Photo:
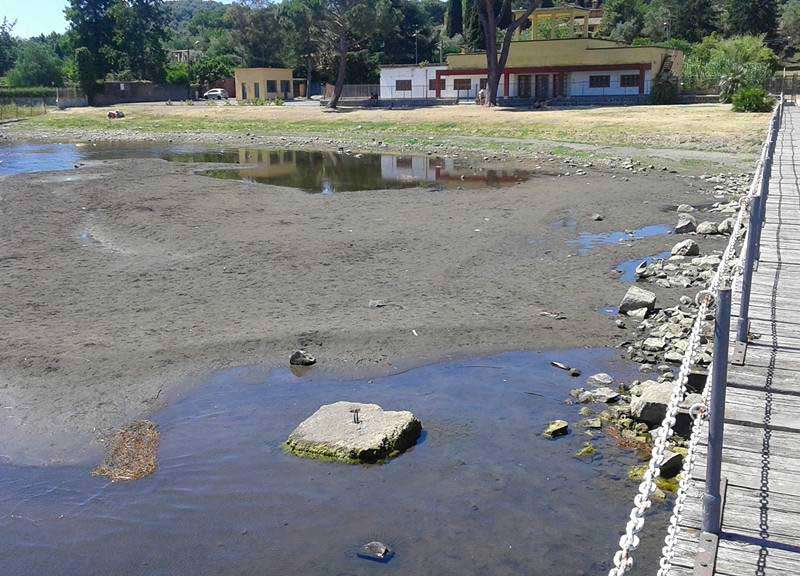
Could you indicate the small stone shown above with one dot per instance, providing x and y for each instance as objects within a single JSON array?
[
  {"x": 593, "y": 423},
  {"x": 619, "y": 323},
  {"x": 726, "y": 226},
  {"x": 686, "y": 224},
  {"x": 600, "y": 379},
  {"x": 302, "y": 358},
  {"x": 574, "y": 372},
  {"x": 375, "y": 551},
  {"x": 671, "y": 464},
  {"x": 685, "y": 208},
  {"x": 687, "y": 247},
  {"x": 654, "y": 344},
  {"x": 587, "y": 450},
  {"x": 604, "y": 394},
  {"x": 556, "y": 428},
  {"x": 597, "y": 217},
  {"x": 377, "y": 303}
]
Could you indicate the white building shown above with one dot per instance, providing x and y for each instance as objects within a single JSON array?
[{"x": 404, "y": 81}]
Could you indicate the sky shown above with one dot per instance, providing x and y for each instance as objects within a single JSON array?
[{"x": 34, "y": 17}]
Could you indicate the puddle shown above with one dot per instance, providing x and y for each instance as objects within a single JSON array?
[
  {"x": 628, "y": 267},
  {"x": 609, "y": 311},
  {"x": 329, "y": 172},
  {"x": 484, "y": 493},
  {"x": 309, "y": 170},
  {"x": 587, "y": 242}
]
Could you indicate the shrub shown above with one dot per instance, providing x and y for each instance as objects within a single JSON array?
[
  {"x": 28, "y": 92},
  {"x": 752, "y": 99},
  {"x": 278, "y": 101},
  {"x": 664, "y": 91}
]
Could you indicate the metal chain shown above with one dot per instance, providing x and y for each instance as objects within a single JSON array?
[{"x": 629, "y": 541}]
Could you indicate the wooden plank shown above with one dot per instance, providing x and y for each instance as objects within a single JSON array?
[
  {"x": 736, "y": 558},
  {"x": 743, "y": 514},
  {"x": 744, "y": 469},
  {"x": 748, "y": 439},
  {"x": 748, "y": 406}
]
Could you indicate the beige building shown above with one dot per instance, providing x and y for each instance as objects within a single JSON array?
[{"x": 264, "y": 83}]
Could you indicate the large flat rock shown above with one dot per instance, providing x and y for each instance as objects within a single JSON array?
[{"x": 333, "y": 433}]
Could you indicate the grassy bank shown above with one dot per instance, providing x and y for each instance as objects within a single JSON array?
[{"x": 696, "y": 127}]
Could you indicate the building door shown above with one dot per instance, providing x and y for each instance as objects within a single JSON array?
[
  {"x": 542, "y": 86},
  {"x": 524, "y": 85}
]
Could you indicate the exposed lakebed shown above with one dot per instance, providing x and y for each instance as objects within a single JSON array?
[{"x": 482, "y": 493}]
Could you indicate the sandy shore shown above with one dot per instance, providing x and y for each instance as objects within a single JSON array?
[{"x": 125, "y": 283}]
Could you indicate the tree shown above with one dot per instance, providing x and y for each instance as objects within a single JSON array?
[
  {"x": 790, "y": 21},
  {"x": 91, "y": 27},
  {"x": 496, "y": 15},
  {"x": 87, "y": 73},
  {"x": 300, "y": 19},
  {"x": 454, "y": 21},
  {"x": 751, "y": 17},
  {"x": 36, "y": 65},
  {"x": 7, "y": 45},
  {"x": 139, "y": 33},
  {"x": 177, "y": 73},
  {"x": 346, "y": 25},
  {"x": 473, "y": 31},
  {"x": 257, "y": 31},
  {"x": 622, "y": 19},
  {"x": 209, "y": 69}
]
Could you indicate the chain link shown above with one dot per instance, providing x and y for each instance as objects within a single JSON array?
[{"x": 729, "y": 267}]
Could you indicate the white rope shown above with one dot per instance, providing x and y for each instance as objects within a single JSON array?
[{"x": 629, "y": 541}]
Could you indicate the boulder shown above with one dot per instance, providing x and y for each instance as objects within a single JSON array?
[
  {"x": 707, "y": 228},
  {"x": 600, "y": 379},
  {"x": 726, "y": 226},
  {"x": 354, "y": 432},
  {"x": 686, "y": 223},
  {"x": 556, "y": 428},
  {"x": 651, "y": 406},
  {"x": 377, "y": 551},
  {"x": 635, "y": 299},
  {"x": 687, "y": 247}
]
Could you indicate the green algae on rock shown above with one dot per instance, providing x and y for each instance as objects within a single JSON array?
[{"x": 354, "y": 433}]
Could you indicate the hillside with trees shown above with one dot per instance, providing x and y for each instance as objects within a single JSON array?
[{"x": 732, "y": 40}]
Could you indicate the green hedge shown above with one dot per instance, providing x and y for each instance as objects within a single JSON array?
[
  {"x": 752, "y": 99},
  {"x": 27, "y": 92}
]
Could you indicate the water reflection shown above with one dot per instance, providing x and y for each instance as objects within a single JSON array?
[
  {"x": 587, "y": 242},
  {"x": 330, "y": 172}
]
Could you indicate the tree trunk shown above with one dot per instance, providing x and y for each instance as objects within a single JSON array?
[
  {"x": 496, "y": 63},
  {"x": 309, "y": 71},
  {"x": 337, "y": 91}
]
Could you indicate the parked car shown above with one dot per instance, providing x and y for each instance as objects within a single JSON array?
[{"x": 216, "y": 94}]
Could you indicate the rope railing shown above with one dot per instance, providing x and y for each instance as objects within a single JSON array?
[{"x": 749, "y": 203}]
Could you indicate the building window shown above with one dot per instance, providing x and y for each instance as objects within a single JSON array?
[
  {"x": 600, "y": 81},
  {"x": 272, "y": 86},
  {"x": 629, "y": 81},
  {"x": 244, "y": 91},
  {"x": 432, "y": 84},
  {"x": 462, "y": 84},
  {"x": 285, "y": 86},
  {"x": 483, "y": 83},
  {"x": 256, "y": 91},
  {"x": 402, "y": 85}
]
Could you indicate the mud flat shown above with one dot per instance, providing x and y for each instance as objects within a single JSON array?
[{"x": 124, "y": 280}]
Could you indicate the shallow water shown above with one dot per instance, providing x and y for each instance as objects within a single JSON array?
[
  {"x": 628, "y": 267},
  {"x": 587, "y": 242},
  {"x": 309, "y": 170},
  {"x": 483, "y": 493}
]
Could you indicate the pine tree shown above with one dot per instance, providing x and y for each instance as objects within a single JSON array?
[
  {"x": 455, "y": 16},
  {"x": 752, "y": 17},
  {"x": 474, "y": 38}
]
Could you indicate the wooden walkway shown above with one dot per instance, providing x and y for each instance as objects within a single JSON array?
[{"x": 761, "y": 453}]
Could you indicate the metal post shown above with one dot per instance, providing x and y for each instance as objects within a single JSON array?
[
  {"x": 747, "y": 272},
  {"x": 712, "y": 502}
]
